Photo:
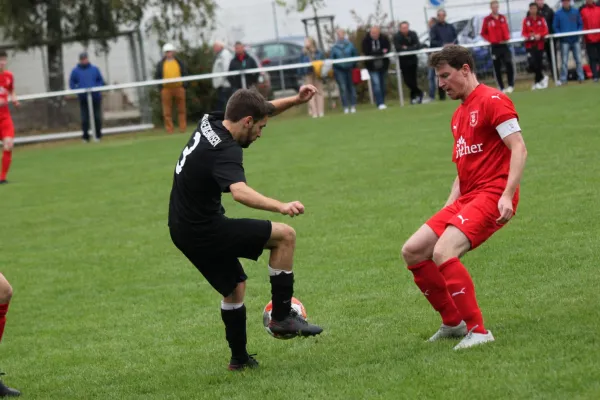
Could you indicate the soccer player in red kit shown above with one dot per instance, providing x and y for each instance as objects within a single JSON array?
[
  {"x": 490, "y": 154},
  {"x": 7, "y": 130},
  {"x": 5, "y": 296}
]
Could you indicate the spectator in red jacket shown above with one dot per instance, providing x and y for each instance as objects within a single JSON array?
[
  {"x": 535, "y": 30},
  {"x": 495, "y": 31},
  {"x": 590, "y": 14}
]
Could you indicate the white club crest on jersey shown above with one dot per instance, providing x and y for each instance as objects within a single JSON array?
[{"x": 474, "y": 118}]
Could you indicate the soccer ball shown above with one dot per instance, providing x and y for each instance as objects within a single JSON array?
[{"x": 296, "y": 306}]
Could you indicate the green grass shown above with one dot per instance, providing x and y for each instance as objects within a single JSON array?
[{"x": 105, "y": 307}]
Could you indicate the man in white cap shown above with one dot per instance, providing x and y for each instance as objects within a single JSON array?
[{"x": 172, "y": 67}]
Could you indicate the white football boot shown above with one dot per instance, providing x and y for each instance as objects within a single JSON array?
[
  {"x": 448, "y": 332},
  {"x": 474, "y": 339}
]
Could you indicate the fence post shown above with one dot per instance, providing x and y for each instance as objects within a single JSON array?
[
  {"x": 399, "y": 76},
  {"x": 244, "y": 80},
  {"x": 92, "y": 116},
  {"x": 553, "y": 61}
]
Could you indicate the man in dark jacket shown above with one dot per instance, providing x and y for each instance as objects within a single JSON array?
[
  {"x": 568, "y": 19},
  {"x": 440, "y": 35},
  {"x": 376, "y": 44},
  {"x": 407, "y": 40},
  {"x": 548, "y": 13},
  {"x": 85, "y": 76},
  {"x": 242, "y": 61}
]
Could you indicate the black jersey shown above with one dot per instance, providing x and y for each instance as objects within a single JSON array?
[{"x": 208, "y": 165}]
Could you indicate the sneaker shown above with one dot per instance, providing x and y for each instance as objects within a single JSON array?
[
  {"x": 596, "y": 80},
  {"x": 474, "y": 339},
  {"x": 382, "y": 107},
  {"x": 534, "y": 86},
  {"x": 545, "y": 82},
  {"x": 3, "y": 182},
  {"x": 509, "y": 90},
  {"x": 241, "y": 364},
  {"x": 346, "y": 111},
  {"x": 353, "y": 110},
  {"x": 294, "y": 324},
  {"x": 5, "y": 391},
  {"x": 448, "y": 332},
  {"x": 321, "y": 115}
]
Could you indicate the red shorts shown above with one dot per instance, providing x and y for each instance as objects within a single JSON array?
[
  {"x": 474, "y": 215},
  {"x": 7, "y": 129}
]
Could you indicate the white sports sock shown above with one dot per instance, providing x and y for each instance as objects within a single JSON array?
[
  {"x": 274, "y": 272},
  {"x": 230, "y": 306}
]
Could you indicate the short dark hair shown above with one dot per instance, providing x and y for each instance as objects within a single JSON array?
[
  {"x": 453, "y": 55},
  {"x": 248, "y": 103},
  {"x": 404, "y": 22},
  {"x": 3, "y": 53},
  {"x": 532, "y": 4}
]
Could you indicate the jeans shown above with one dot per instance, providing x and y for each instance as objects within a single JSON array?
[
  {"x": 378, "y": 80},
  {"x": 433, "y": 85},
  {"x": 85, "y": 117},
  {"x": 223, "y": 95},
  {"x": 564, "y": 50},
  {"x": 343, "y": 77}
]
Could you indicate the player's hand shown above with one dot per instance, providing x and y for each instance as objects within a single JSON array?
[
  {"x": 505, "y": 206},
  {"x": 292, "y": 209},
  {"x": 537, "y": 37},
  {"x": 306, "y": 93},
  {"x": 16, "y": 103}
]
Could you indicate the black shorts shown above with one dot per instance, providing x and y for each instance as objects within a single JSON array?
[
  {"x": 215, "y": 250},
  {"x": 502, "y": 53}
]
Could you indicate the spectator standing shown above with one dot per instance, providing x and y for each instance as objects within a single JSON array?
[
  {"x": 495, "y": 30},
  {"x": 242, "y": 61},
  {"x": 312, "y": 76},
  {"x": 221, "y": 84},
  {"x": 590, "y": 15},
  {"x": 84, "y": 76},
  {"x": 170, "y": 67},
  {"x": 430, "y": 70},
  {"x": 534, "y": 31},
  {"x": 407, "y": 40},
  {"x": 376, "y": 44},
  {"x": 548, "y": 13},
  {"x": 343, "y": 48},
  {"x": 442, "y": 34},
  {"x": 568, "y": 19}
]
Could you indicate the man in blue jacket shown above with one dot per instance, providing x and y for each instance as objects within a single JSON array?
[
  {"x": 568, "y": 19},
  {"x": 84, "y": 76},
  {"x": 343, "y": 48},
  {"x": 442, "y": 34}
]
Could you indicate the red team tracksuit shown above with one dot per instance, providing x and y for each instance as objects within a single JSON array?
[
  {"x": 483, "y": 162},
  {"x": 535, "y": 48},
  {"x": 591, "y": 20},
  {"x": 6, "y": 124},
  {"x": 495, "y": 31}
]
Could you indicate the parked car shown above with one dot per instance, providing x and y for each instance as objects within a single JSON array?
[{"x": 283, "y": 52}]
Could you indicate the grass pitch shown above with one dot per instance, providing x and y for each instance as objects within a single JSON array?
[{"x": 105, "y": 307}]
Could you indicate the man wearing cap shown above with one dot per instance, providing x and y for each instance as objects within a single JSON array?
[
  {"x": 84, "y": 76},
  {"x": 172, "y": 67}
]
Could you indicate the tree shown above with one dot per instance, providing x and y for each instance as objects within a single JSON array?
[{"x": 50, "y": 23}]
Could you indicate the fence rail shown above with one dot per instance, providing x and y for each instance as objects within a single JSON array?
[{"x": 155, "y": 82}]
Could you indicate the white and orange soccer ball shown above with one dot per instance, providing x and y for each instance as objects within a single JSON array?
[{"x": 296, "y": 305}]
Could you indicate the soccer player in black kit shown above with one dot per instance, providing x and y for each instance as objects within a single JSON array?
[{"x": 209, "y": 165}]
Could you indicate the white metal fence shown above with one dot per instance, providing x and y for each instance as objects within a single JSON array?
[{"x": 143, "y": 125}]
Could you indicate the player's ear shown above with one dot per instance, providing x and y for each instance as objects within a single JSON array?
[{"x": 248, "y": 122}]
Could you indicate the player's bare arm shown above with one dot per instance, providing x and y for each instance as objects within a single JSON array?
[
  {"x": 305, "y": 93},
  {"x": 454, "y": 192},
  {"x": 518, "y": 156},
  {"x": 244, "y": 194}
]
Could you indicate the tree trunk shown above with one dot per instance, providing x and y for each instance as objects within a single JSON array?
[{"x": 56, "y": 79}]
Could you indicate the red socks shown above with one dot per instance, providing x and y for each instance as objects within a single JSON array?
[
  {"x": 431, "y": 282},
  {"x": 3, "y": 311},
  {"x": 461, "y": 288},
  {"x": 6, "y": 160}
]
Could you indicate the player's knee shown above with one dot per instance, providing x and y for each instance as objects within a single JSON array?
[
  {"x": 6, "y": 292},
  {"x": 412, "y": 253},
  {"x": 442, "y": 253},
  {"x": 287, "y": 235}
]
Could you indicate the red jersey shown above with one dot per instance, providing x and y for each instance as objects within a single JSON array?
[
  {"x": 6, "y": 87},
  {"x": 591, "y": 20},
  {"x": 478, "y": 126},
  {"x": 532, "y": 27},
  {"x": 495, "y": 30}
]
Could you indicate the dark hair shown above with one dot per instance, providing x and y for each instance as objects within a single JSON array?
[
  {"x": 453, "y": 55},
  {"x": 238, "y": 43},
  {"x": 404, "y": 22},
  {"x": 248, "y": 103},
  {"x": 532, "y": 4},
  {"x": 3, "y": 53}
]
